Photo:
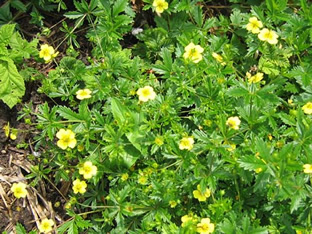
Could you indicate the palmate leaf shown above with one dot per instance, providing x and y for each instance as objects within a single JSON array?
[{"x": 12, "y": 86}]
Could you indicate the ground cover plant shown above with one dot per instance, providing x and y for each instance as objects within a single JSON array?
[{"x": 157, "y": 116}]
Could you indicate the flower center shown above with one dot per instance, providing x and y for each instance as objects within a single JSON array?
[
  {"x": 160, "y": 5},
  {"x": 66, "y": 139},
  {"x": 46, "y": 53},
  {"x": 146, "y": 93},
  {"x": 87, "y": 169},
  {"x": 268, "y": 35}
]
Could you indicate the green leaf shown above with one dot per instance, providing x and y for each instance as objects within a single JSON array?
[
  {"x": 12, "y": 86},
  {"x": 250, "y": 162},
  {"x": 268, "y": 67},
  {"x": 6, "y": 32},
  {"x": 119, "y": 111},
  {"x": 66, "y": 226},
  {"x": 73, "y": 14},
  {"x": 198, "y": 15},
  {"x": 236, "y": 17},
  {"x": 119, "y": 6},
  {"x": 20, "y": 229},
  {"x": 237, "y": 91},
  {"x": 67, "y": 113},
  {"x": 18, "y": 5},
  {"x": 262, "y": 148}
]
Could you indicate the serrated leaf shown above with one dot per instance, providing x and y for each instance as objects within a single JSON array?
[
  {"x": 65, "y": 226},
  {"x": 250, "y": 162},
  {"x": 119, "y": 111},
  {"x": 67, "y": 113},
  {"x": 12, "y": 86},
  {"x": 287, "y": 119},
  {"x": 119, "y": 6},
  {"x": 268, "y": 67},
  {"x": 6, "y": 32},
  {"x": 20, "y": 229},
  {"x": 237, "y": 92}
]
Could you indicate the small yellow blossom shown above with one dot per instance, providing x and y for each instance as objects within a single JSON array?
[
  {"x": 87, "y": 170},
  {"x": 80, "y": 148},
  {"x": 219, "y": 58},
  {"x": 160, "y": 6},
  {"x": 83, "y": 94},
  {"x": 13, "y": 134},
  {"x": 19, "y": 190},
  {"x": 10, "y": 132},
  {"x": 205, "y": 227},
  {"x": 201, "y": 196},
  {"x": 142, "y": 180},
  {"x": 193, "y": 52},
  {"x": 186, "y": 219},
  {"x": 66, "y": 139},
  {"x": 124, "y": 176},
  {"x": 47, "y": 53},
  {"x": 290, "y": 101},
  {"x": 268, "y": 35},
  {"x": 254, "y": 25},
  {"x": 307, "y": 108},
  {"x": 307, "y": 168},
  {"x": 233, "y": 122},
  {"x": 270, "y": 137},
  {"x": 46, "y": 225},
  {"x": 256, "y": 78},
  {"x": 79, "y": 186},
  {"x": 186, "y": 143},
  {"x": 159, "y": 140},
  {"x": 173, "y": 203},
  {"x": 146, "y": 93},
  {"x": 258, "y": 170},
  {"x": 231, "y": 148}
]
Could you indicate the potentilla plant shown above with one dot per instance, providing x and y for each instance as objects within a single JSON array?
[{"x": 202, "y": 126}]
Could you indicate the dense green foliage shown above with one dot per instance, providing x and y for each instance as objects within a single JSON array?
[{"x": 145, "y": 179}]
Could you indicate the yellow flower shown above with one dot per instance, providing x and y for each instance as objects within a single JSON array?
[
  {"x": 83, "y": 94},
  {"x": 233, "y": 122},
  {"x": 6, "y": 129},
  {"x": 231, "y": 148},
  {"x": 186, "y": 143},
  {"x": 268, "y": 35},
  {"x": 87, "y": 170},
  {"x": 159, "y": 140},
  {"x": 124, "y": 176},
  {"x": 307, "y": 168},
  {"x": 47, "y": 53},
  {"x": 219, "y": 58},
  {"x": 258, "y": 170},
  {"x": 66, "y": 139},
  {"x": 201, "y": 196},
  {"x": 187, "y": 218},
  {"x": 160, "y": 6},
  {"x": 205, "y": 227},
  {"x": 193, "y": 52},
  {"x": 256, "y": 78},
  {"x": 173, "y": 204},
  {"x": 146, "y": 93},
  {"x": 307, "y": 108},
  {"x": 46, "y": 225},
  {"x": 19, "y": 190},
  {"x": 79, "y": 186},
  {"x": 10, "y": 132},
  {"x": 254, "y": 25},
  {"x": 142, "y": 180}
]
